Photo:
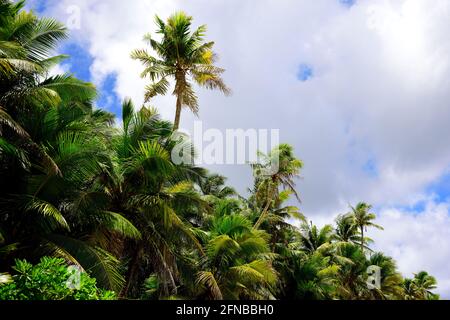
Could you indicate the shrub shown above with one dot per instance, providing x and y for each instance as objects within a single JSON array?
[{"x": 51, "y": 279}]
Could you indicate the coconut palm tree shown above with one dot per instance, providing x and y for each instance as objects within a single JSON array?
[
  {"x": 26, "y": 46},
  {"x": 64, "y": 214},
  {"x": 391, "y": 280},
  {"x": 155, "y": 194},
  {"x": 237, "y": 264},
  {"x": 352, "y": 274},
  {"x": 315, "y": 277},
  {"x": 214, "y": 185},
  {"x": 48, "y": 153},
  {"x": 346, "y": 230},
  {"x": 26, "y": 40},
  {"x": 311, "y": 238},
  {"x": 364, "y": 219},
  {"x": 278, "y": 169},
  {"x": 183, "y": 56},
  {"x": 420, "y": 287}
]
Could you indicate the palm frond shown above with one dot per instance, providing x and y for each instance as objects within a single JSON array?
[
  {"x": 158, "y": 88},
  {"x": 47, "y": 210},
  {"x": 96, "y": 261},
  {"x": 207, "y": 279},
  {"x": 68, "y": 88},
  {"x": 116, "y": 222},
  {"x": 7, "y": 120}
]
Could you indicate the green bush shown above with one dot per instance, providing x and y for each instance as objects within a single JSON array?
[{"x": 51, "y": 279}]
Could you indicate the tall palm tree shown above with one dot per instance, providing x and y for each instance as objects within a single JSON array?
[
  {"x": 181, "y": 55},
  {"x": 347, "y": 231},
  {"x": 156, "y": 195},
  {"x": 364, "y": 219},
  {"x": 269, "y": 182}
]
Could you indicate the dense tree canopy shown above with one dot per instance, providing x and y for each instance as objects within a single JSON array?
[{"x": 109, "y": 200}]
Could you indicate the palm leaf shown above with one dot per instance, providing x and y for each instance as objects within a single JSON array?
[
  {"x": 7, "y": 120},
  {"x": 47, "y": 210},
  {"x": 208, "y": 280},
  {"x": 116, "y": 222},
  {"x": 68, "y": 88},
  {"x": 96, "y": 261}
]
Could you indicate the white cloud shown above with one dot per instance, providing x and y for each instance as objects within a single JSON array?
[
  {"x": 380, "y": 93},
  {"x": 59, "y": 69},
  {"x": 418, "y": 241}
]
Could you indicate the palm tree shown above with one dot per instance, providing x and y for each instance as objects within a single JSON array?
[
  {"x": 63, "y": 214},
  {"x": 156, "y": 195},
  {"x": 420, "y": 287},
  {"x": 280, "y": 220},
  {"x": 346, "y": 230},
  {"x": 315, "y": 277},
  {"x": 311, "y": 238},
  {"x": 26, "y": 44},
  {"x": 214, "y": 185},
  {"x": 48, "y": 153},
  {"x": 352, "y": 274},
  {"x": 25, "y": 40},
  {"x": 237, "y": 264},
  {"x": 391, "y": 280},
  {"x": 183, "y": 56},
  {"x": 269, "y": 182},
  {"x": 363, "y": 219}
]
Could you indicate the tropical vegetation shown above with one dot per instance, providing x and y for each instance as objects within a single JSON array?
[{"x": 79, "y": 190}]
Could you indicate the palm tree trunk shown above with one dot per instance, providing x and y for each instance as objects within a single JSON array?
[
  {"x": 362, "y": 239},
  {"x": 131, "y": 274},
  {"x": 263, "y": 215},
  {"x": 180, "y": 78},
  {"x": 176, "y": 124}
]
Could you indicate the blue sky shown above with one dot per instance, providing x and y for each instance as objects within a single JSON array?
[
  {"x": 305, "y": 72},
  {"x": 348, "y": 3},
  {"x": 79, "y": 63}
]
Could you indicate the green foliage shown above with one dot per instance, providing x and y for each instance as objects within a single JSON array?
[
  {"x": 48, "y": 280},
  {"x": 151, "y": 288}
]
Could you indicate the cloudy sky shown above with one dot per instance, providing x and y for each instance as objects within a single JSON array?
[{"x": 361, "y": 88}]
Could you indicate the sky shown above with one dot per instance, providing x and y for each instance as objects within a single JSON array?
[{"x": 360, "y": 88}]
